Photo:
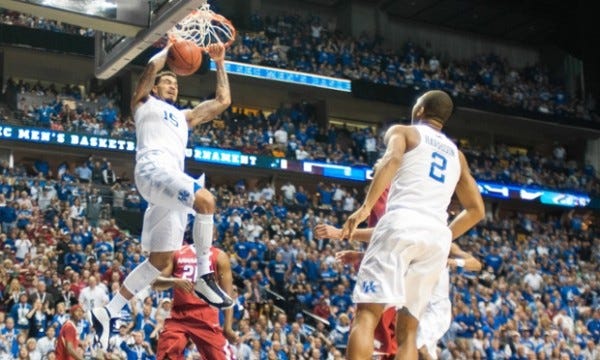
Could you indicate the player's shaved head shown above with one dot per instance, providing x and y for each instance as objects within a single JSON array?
[{"x": 437, "y": 105}]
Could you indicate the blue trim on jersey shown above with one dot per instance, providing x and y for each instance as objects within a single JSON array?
[{"x": 196, "y": 187}]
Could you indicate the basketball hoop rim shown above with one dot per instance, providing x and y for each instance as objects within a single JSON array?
[{"x": 211, "y": 16}]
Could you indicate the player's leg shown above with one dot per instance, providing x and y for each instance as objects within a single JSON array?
[
  {"x": 433, "y": 324},
  {"x": 174, "y": 189},
  {"x": 206, "y": 284},
  {"x": 361, "y": 339},
  {"x": 138, "y": 279},
  {"x": 377, "y": 285},
  {"x": 423, "y": 273},
  {"x": 162, "y": 234},
  {"x": 172, "y": 342},
  {"x": 406, "y": 335},
  {"x": 209, "y": 340},
  {"x": 203, "y": 231}
]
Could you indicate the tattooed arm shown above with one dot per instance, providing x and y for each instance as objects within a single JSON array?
[
  {"x": 146, "y": 82},
  {"x": 209, "y": 109}
]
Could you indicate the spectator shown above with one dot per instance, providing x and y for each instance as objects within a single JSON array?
[
  {"x": 83, "y": 173},
  {"x": 118, "y": 195},
  {"x": 47, "y": 343},
  {"x": 108, "y": 175},
  {"x": 93, "y": 295}
]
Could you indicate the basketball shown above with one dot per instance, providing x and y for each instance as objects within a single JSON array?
[{"x": 184, "y": 57}]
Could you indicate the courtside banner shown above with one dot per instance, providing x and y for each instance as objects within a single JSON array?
[{"x": 232, "y": 157}]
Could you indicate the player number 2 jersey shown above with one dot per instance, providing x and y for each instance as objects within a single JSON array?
[
  {"x": 427, "y": 177},
  {"x": 161, "y": 126}
]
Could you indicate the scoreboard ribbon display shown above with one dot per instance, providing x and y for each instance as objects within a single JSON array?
[{"x": 230, "y": 157}]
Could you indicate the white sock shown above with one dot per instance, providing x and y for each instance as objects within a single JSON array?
[
  {"x": 203, "y": 236},
  {"x": 142, "y": 276},
  {"x": 116, "y": 304}
]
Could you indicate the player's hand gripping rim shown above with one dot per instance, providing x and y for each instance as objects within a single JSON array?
[{"x": 216, "y": 51}]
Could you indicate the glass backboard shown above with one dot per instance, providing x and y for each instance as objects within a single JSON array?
[
  {"x": 124, "y": 28},
  {"x": 113, "y": 52}
]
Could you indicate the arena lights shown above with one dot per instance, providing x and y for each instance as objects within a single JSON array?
[
  {"x": 230, "y": 157},
  {"x": 291, "y": 77}
]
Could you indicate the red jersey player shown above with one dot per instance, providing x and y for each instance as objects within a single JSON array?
[
  {"x": 191, "y": 317},
  {"x": 67, "y": 344}
]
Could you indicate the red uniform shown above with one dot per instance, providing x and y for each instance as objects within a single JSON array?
[
  {"x": 379, "y": 208},
  {"x": 385, "y": 339},
  {"x": 191, "y": 317},
  {"x": 68, "y": 333}
]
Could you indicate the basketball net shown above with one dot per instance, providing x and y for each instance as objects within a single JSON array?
[{"x": 203, "y": 27}]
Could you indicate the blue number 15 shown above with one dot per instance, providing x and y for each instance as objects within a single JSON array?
[{"x": 438, "y": 167}]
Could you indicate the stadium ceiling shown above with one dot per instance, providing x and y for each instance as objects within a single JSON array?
[{"x": 531, "y": 22}]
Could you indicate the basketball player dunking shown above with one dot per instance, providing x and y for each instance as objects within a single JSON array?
[
  {"x": 410, "y": 244},
  {"x": 162, "y": 134}
]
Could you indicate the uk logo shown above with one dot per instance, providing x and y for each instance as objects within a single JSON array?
[
  {"x": 183, "y": 196},
  {"x": 369, "y": 287}
]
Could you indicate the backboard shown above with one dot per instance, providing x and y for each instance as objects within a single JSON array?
[
  {"x": 124, "y": 28},
  {"x": 113, "y": 51}
]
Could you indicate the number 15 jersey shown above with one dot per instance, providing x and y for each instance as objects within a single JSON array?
[
  {"x": 161, "y": 126},
  {"x": 427, "y": 177}
]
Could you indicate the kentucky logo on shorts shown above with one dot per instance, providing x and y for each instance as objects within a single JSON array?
[
  {"x": 183, "y": 196},
  {"x": 369, "y": 287}
]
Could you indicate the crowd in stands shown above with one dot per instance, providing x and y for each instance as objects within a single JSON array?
[
  {"x": 538, "y": 297},
  {"x": 8, "y": 17},
  {"x": 291, "y": 132},
  {"x": 310, "y": 44}
]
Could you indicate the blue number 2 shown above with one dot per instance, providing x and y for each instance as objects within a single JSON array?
[{"x": 438, "y": 166}]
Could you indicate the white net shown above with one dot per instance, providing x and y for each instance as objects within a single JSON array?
[{"x": 204, "y": 27}]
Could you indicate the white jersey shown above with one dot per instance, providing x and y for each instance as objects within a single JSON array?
[
  {"x": 427, "y": 177},
  {"x": 161, "y": 126}
]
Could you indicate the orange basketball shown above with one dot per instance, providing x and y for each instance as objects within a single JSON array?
[{"x": 184, "y": 57}]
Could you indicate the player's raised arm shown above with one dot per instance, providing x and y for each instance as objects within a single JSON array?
[
  {"x": 209, "y": 109},
  {"x": 470, "y": 199},
  {"x": 146, "y": 82}
]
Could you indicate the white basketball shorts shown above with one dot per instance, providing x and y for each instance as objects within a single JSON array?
[
  {"x": 403, "y": 262},
  {"x": 170, "y": 194},
  {"x": 433, "y": 325}
]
